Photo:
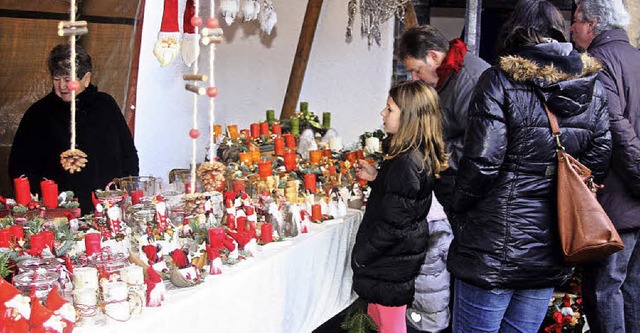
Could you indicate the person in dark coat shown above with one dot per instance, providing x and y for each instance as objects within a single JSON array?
[
  {"x": 610, "y": 286},
  {"x": 506, "y": 257},
  {"x": 101, "y": 132},
  {"x": 391, "y": 242}
]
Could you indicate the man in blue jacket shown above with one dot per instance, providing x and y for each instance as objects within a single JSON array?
[{"x": 611, "y": 285}]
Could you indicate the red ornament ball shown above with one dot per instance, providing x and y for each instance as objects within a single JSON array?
[
  {"x": 73, "y": 85},
  {"x": 212, "y": 91},
  {"x": 194, "y": 133},
  {"x": 196, "y": 21},
  {"x": 212, "y": 22}
]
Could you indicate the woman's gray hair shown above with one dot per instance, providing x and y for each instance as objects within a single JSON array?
[{"x": 609, "y": 14}]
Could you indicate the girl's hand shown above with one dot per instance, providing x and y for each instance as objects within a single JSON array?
[{"x": 365, "y": 170}]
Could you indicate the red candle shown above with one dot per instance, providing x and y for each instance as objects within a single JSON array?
[
  {"x": 17, "y": 232},
  {"x": 22, "y": 190},
  {"x": 290, "y": 140},
  {"x": 310, "y": 182},
  {"x": 351, "y": 157},
  {"x": 290, "y": 160},
  {"x": 265, "y": 169},
  {"x": 327, "y": 153},
  {"x": 361, "y": 181},
  {"x": 37, "y": 242},
  {"x": 245, "y": 133},
  {"x": 278, "y": 146},
  {"x": 276, "y": 129},
  {"x": 49, "y": 190},
  {"x": 187, "y": 188},
  {"x": 5, "y": 238},
  {"x": 135, "y": 196},
  {"x": 49, "y": 239},
  {"x": 216, "y": 236},
  {"x": 264, "y": 128},
  {"x": 316, "y": 212},
  {"x": 255, "y": 130},
  {"x": 332, "y": 170},
  {"x": 239, "y": 185},
  {"x": 315, "y": 156},
  {"x": 266, "y": 233},
  {"x": 92, "y": 243}
]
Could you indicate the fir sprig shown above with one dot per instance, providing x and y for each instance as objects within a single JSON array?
[{"x": 357, "y": 319}]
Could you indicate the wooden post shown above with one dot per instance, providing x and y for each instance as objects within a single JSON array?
[
  {"x": 130, "y": 105},
  {"x": 301, "y": 59}
]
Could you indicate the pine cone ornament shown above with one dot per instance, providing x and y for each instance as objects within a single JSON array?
[
  {"x": 211, "y": 175},
  {"x": 73, "y": 160}
]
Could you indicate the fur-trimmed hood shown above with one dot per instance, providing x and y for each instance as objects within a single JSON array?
[{"x": 563, "y": 78}]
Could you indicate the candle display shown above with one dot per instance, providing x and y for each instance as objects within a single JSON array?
[
  {"x": 92, "y": 243},
  {"x": 290, "y": 160},
  {"x": 316, "y": 212},
  {"x": 232, "y": 130},
  {"x": 295, "y": 126},
  {"x": 255, "y": 130},
  {"x": 264, "y": 129},
  {"x": 290, "y": 141},
  {"x": 266, "y": 233},
  {"x": 49, "y": 190},
  {"x": 326, "y": 119},
  {"x": 22, "y": 190},
  {"x": 276, "y": 129},
  {"x": 265, "y": 168},
  {"x": 271, "y": 116},
  {"x": 310, "y": 182},
  {"x": 278, "y": 146}
]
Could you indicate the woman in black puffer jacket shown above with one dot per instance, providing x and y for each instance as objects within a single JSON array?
[
  {"x": 505, "y": 256},
  {"x": 392, "y": 240}
]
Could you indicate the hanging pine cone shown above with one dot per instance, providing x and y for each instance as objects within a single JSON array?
[
  {"x": 211, "y": 175},
  {"x": 73, "y": 160}
]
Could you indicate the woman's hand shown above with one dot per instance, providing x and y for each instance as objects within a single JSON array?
[{"x": 365, "y": 170}]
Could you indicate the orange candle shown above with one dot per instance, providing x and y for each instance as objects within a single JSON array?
[
  {"x": 315, "y": 156},
  {"x": 244, "y": 158},
  {"x": 310, "y": 182},
  {"x": 316, "y": 212},
  {"x": 351, "y": 157},
  {"x": 278, "y": 146},
  {"x": 290, "y": 160},
  {"x": 217, "y": 131},
  {"x": 290, "y": 140},
  {"x": 276, "y": 129},
  {"x": 264, "y": 128},
  {"x": 255, "y": 130},
  {"x": 22, "y": 190},
  {"x": 265, "y": 169},
  {"x": 233, "y": 131},
  {"x": 255, "y": 156}
]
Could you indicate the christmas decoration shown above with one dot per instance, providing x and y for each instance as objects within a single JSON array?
[
  {"x": 190, "y": 47},
  {"x": 166, "y": 47}
]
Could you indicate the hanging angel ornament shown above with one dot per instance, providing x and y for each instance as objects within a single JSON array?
[
  {"x": 167, "y": 47},
  {"x": 268, "y": 17},
  {"x": 190, "y": 47},
  {"x": 250, "y": 10},
  {"x": 229, "y": 10}
]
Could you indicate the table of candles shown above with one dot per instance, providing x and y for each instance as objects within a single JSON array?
[{"x": 293, "y": 285}]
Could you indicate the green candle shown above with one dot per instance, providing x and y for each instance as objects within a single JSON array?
[
  {"x": 304, "y": 107},
  {"x": 271, "y": 116},
  {"x": 326, "y": 119},
  {"x": 295, "y": 126}
]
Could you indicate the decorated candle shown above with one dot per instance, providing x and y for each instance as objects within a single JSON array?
[
  {"x": 266, "y": 233},
  {"x": 115, "y": 294},
  {"x": 132, "y": 274},
  {"x": 290, "y": 141},
  {"x": 17, "y": 232},
  {"x": 85, "y": 277},
  {"x": 295, "y": 125},
  {"x": 278, "y": 146},
  {"x": 92, "y": 243},
  {"x": 255, "y": 130},
  {"x": 290, "y": 160},
  {"x": 271, "y": 116},
  {"x": 22, "y": 190},
  {"x": 316, "y": 212},
  {"x": 264, "y": 128},
  {"x": 310, "y": 182},
  {"x": 265, "y": 169},
  {"x": 49, "y": 190},
  {"x": 315, "y": 156},
  {"x": 233, "y": 131},
  {"x": 85, "y": 300},
  {"x": 136, "y": 195},
  {"x": 5, "y": 238},
  {"x": 326, "y": 119},
  {"x": 276, "y": 129},
  {"x": 335, "y": 143}
]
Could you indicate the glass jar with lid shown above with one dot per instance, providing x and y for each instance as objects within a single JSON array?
[
  {"x": 110, "y": 262},
  {"x": 39, "y": 281}
]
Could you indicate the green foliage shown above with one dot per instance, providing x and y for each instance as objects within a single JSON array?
[
  {"x": 4, "y": 264},
  {"x": 357, "y": 319}
]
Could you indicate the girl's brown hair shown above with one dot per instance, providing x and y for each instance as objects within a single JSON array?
[{"x": 420, "y": 125}]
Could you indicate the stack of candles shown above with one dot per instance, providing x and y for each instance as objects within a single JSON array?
[
  {"x": 49, "y": 190},
  {"x": 133, "y": 276},
  {"x": 115, "y": 295},
  {"x": 85, "y": 297}
]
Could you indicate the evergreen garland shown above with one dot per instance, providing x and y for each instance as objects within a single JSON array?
[{"x": 357, "y": 319}]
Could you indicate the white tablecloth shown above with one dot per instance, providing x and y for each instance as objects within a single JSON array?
[{"x": 291, "y": 286}]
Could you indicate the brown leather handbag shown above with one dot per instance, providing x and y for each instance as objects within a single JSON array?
[{"x": 586, "y": 232}]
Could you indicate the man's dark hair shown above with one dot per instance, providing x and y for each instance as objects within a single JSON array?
[
  {"x": 417, "y": 41},
  {"x": 60, "y": 61}
]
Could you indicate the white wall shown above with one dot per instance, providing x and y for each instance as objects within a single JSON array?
[{"x": 252, "y": 70}]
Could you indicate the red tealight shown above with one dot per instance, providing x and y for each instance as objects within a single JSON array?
[
  {"x": 194, "y": 133},
  {"x": 196, "y": 21},
  {"x": 212, "y": 22},
  {"x": 73, "y": 85},
  {"x": 212, "y": 91}
]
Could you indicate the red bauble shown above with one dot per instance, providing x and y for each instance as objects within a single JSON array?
[
  {"x": 73, "y": 85},
  {"x": 212, "y": 91},
  {"x": 212, "y": 22},
  {"x": 196, "y": 21},
  {"x": 194, "y": 133}
]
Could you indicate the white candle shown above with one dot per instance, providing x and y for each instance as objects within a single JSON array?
[
  {"x": 132, "y": 275},
  {"x": 335, "y": 143},
  {"x": 114, "y": 291},
  {"x": 85, "y": 301},
  {"x": 372, "y": 144},
  {"x": 85, "y": 277}
]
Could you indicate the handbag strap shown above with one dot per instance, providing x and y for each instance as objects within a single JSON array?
[{"x": 555, "y": 128}]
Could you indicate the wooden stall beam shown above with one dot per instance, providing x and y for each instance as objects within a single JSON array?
[
  {"x": 301, "y": 58},
  {"x": 130, "y": 105}
]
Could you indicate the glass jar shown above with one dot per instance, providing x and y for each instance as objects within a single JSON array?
[
  {"x": 40, "y": 281},
  {"x": 111, "y": 262}
]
